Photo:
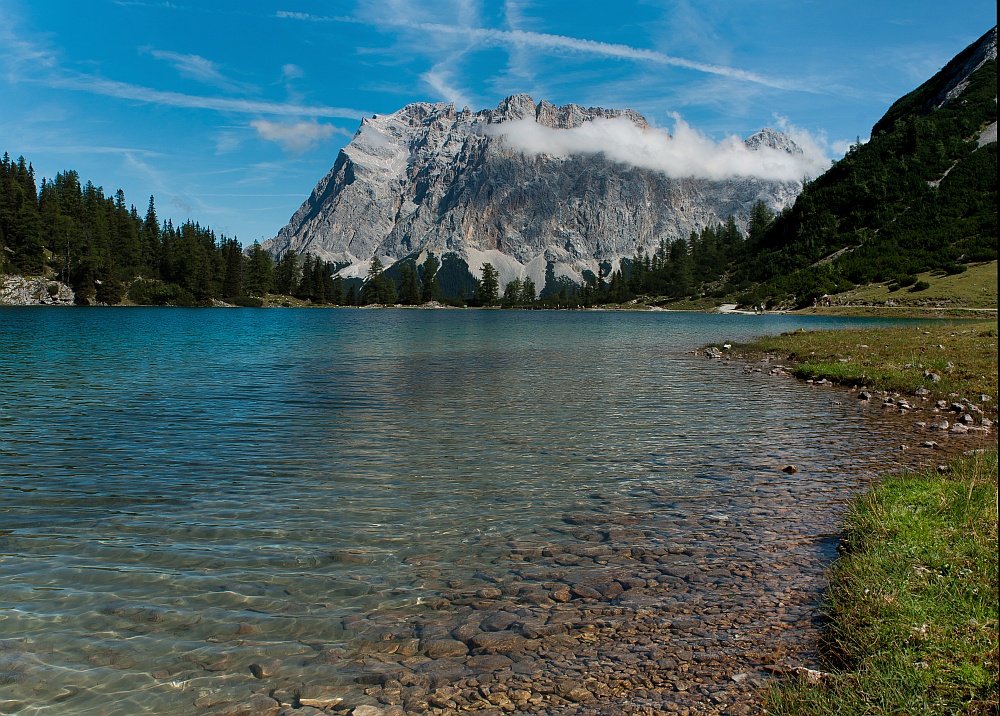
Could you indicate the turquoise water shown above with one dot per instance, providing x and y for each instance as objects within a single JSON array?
[{"x": 186, "y": 492}]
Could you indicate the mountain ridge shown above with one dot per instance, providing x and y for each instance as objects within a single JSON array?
[{"x": 430, "y": 177}]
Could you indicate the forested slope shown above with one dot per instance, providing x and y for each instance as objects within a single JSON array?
[{"x": 920, "y": 195}]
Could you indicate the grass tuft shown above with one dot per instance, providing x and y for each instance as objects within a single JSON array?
[{"x": 912, "y": 603}]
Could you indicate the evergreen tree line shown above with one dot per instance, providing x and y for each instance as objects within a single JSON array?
[
  {"x": 683, "y": 268},
  {"x": 104, "y": 249}
]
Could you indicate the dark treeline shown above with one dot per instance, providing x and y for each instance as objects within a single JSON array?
[
  {"x": 684, "y": 268},
  {"x": 105, "y": 250}
]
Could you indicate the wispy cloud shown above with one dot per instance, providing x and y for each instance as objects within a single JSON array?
[
  {"x": 19, "y": 56},
  {"x": 199, "y": 69},
  {"x": 403, "y": 15},
  {"x": 440, "y": 81},
  {"x": 138, "y": 93},
  {"x": 685, "y": 153},
  {"x": 291, "y": 72},
  {"x": 63, "y": 149},
  {"x": 562, "y": 43},
  {"x": 308, "y": 17},
  {"x": 296, "y": 136}
]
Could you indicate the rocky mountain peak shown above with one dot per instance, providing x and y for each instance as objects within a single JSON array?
[
  {"x": 772, "y": 139},
  {"x": 430, "y": 178}
]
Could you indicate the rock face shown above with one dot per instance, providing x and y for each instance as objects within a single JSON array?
[
  {"x": 34, "y": 291},
  {"x": 945, "y": 86},
  {"x": 429, "y": 177}
]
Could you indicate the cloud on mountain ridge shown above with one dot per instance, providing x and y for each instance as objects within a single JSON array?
[{"x": 685, "y": 153}]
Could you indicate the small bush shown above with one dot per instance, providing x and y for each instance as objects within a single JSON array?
[
  {"x": 920, "y": 286},
  {"x": 247, "y": 301},
  {"x": 110, "y": 291},
  {"x": 157, "y": 293}
]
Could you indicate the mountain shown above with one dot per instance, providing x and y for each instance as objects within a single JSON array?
[
  {"x": 920, "y": 195},
  {"x": 429, "y": 177}
]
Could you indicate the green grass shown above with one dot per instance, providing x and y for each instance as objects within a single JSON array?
[
  {"x": 963, "y": 354},
  {"x": 912, "y": 602},
  {"x": 973, "y": 288}
]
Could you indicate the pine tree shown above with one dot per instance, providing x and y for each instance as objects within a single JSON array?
[
  {"x": 430, "y": 288},
  {"x": 512, "y": 292},
  {"x": 488, "y": 288},
  {"x": 233, "y": 279},
  {"x": 286, "y": 274},
  {"x": 760, "y": 221},
  {"x": 337, "y": 295},
  {"x": 150, "y": 242},
  {"x": 409, "y": 291},
  {"x": 377, "y": 289},
  {"x": 528, "y": 292},
  {"x": 320, "y": 274},
  {"x": 259, "y": 272},
  {"x": 305, "y": 290}
]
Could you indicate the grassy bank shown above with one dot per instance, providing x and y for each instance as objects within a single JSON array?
[
  {"x": 913, "y": 601},
  {"x": 962, "y": 355},
  {"x": 974, "y": 288}
]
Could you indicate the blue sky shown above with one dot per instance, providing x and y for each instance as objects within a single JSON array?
[{"x": 229, "y": 112}]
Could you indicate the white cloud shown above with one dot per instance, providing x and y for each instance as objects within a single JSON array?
[
  {"x": 292, "y": 72},
  {"x": 686, "y": 153},
  {"x": 295, "y": 137},
  {"x": 547, "y": 42},
  {"x": 199, "y": 69},
  {"x": 288, "y": 15},
  {"x": 439, "y": 80},
  {"x": 841, "y": 146},
  {"x": 138, "y": 93}
]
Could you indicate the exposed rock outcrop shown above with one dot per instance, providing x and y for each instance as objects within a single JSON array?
[
  {"x": 430, "y": 177},
  {"x": 34, "y": 291}
]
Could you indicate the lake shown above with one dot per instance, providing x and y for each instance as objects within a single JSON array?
[{"x": 534, "y": 512}]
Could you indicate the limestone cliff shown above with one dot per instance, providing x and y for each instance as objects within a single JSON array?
[{"x": 430, "y": 177}]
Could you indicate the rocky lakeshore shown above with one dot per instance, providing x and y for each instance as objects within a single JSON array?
[
  {"x": 691, "y": 607},
  {"x": 684, "y": 578}
]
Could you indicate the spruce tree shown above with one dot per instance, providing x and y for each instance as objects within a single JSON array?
[
  {"x": 259, "y": 272},
  {"x": 286, "y": 274},
  {"x": 305, "y": 289},
  {"x": 528, "y": 292},
  {"x": 337, "y": 295},
  {"x": 430, "y": 288},
  {"x": 320, "y": 273},
  {"x": 375, "y": 290},
  {"x": 150, "y": 241},
  {"x": 488, "y": 288},
  {"x": 409, "y": 291}
]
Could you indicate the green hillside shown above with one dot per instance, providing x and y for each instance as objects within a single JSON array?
[{"x": 919, "y": 196}]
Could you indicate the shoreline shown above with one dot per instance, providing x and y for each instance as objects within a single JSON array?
[
  {"x": 933, "y": 314},
  {"x": 860, "y": 666}
]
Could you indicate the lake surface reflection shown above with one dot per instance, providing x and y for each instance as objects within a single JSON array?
[{"x": 532, "y": 512}]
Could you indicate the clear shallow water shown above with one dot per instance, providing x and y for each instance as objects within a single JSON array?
[{"x": 184, "y": 493}]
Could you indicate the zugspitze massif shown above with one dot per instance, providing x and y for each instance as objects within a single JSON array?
[{"x": 525, "y": 186}]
